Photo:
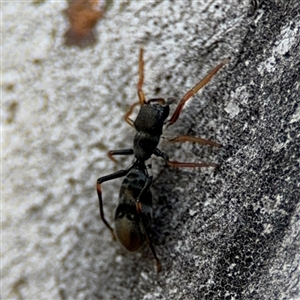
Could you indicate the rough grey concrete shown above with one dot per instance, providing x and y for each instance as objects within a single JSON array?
[{"x": 232, "y": 233}]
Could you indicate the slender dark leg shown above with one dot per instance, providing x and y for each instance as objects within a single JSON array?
[
  {"x": 111, "y": 153},
  {"x": 100, "y": 180},
  {"x": 139, "y": 210},
  {"x": 185, "y": 138},
  {"x": 193, "y": 91},
  {"x": 177, "y": 164}
]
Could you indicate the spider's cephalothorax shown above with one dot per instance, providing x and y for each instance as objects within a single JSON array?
[{"x": 149, "y": 127}]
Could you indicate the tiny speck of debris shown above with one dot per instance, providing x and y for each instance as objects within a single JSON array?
[
  {"x": 11, "y": 112},
  {"x": 83, "y": 16},
  {"x": 232, "y": 109},
  {"x": 192, "y": 212},
  {"x": 118, "y": 259},
  {"x": 144, "y": 275}
]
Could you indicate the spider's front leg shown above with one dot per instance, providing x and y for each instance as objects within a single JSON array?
[{"x": 194, "y": 90}]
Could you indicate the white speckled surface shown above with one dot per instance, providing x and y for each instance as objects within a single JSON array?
[{"x": 63, "y": 110}]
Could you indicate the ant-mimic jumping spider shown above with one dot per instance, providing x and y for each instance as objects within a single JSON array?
[{"x": 134, "y": 211}]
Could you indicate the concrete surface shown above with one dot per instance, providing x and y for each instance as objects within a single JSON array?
[{"x": 232, "y": 233}]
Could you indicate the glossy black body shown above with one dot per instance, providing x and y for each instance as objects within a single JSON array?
[
  {"x": 134, "y": 211},
  {"x": 149, "y": 127},
  {"x": 128, "y": 227}
]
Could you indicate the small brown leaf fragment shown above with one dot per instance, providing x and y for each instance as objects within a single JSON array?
[{"x": 83, "y": 15}]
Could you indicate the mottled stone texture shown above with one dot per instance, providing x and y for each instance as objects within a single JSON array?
[{"x": 230, "y": 233}]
